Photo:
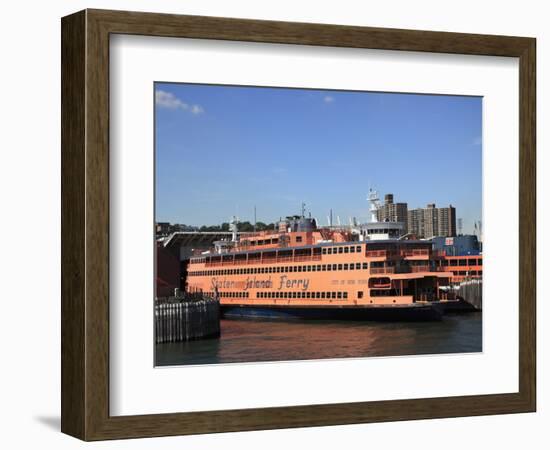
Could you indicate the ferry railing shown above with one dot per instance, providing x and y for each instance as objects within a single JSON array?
[
  {"x": 406, "y": 253},
  {"x": 282, "y": 259},
  {"x": 379, "y": 270},
  {"x": 381, "y": 253}
]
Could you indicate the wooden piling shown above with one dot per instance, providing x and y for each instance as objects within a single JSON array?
[
  {"x": 471, "y": 291},
  {"x": 186, "y": 318}
]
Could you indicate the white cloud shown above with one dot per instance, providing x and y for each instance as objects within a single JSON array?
[
  {"x": 197, "y": 109},
  {"x": 328, "y": 99},
  {"x": 168, "y": 100}
]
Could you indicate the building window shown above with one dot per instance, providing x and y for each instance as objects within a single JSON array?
[{"x": 298, "y": 239}]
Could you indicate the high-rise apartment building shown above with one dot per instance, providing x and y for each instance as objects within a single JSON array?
[
  {"x": 392, "y": 212},
  {"x": 431, "y": 221}
]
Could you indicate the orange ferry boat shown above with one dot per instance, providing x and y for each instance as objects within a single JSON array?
[{"x": 302, "y": 271}]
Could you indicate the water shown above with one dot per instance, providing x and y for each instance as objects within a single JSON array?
[{"x": 245, "y": 340}]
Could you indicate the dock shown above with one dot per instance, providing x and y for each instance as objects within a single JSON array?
[{"x": 187, "y": 317}]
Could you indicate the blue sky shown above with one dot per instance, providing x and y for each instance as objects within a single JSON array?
[{"x": 220, "y": 150}]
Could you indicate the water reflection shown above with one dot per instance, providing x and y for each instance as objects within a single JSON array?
[{"x": 263, "y": 340}]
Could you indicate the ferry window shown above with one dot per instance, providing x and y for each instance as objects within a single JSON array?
[
  {"x": 365, "y": 266},
  {"x": 480, "y": 273},
  {"x": 345, "y": 267},
  {"x": 324, "y": 251},
  {"x": 453, "y": 262},
  {"x": 358, "y": 248},
  {"x": 479, "y": 262},
  {"x": 300, "y": 268},
  {"x": 352, "y": 249},
  {"x": 298, "y": 238},
  {"x": 334, "y": 295},
  {"x": 294, "y": 295},
  {"x": 334, "y": 267},
  {"x": 346, "y": 249},
  {"x": 462, "y": 262},
  {"x": 322, "y": 295},
  {"x": 275, "y": 241},
  {"x": 318, "y": 267},
  {"x": 360, "y": 294},
  {"x": 340, "y": 249},
  {"x": 462, "y": 272},
  {"x": 329, "y": 251},
  {"x": 324, "y": 267},
  {"x": 309, "y": 268},
  {"x": 308, "y": 294},
  {"x": 351, "y": 266},
  {"x": 339, "y": 266},
  {"x": 329, "y": 267}
]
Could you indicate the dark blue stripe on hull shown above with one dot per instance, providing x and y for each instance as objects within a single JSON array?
[{"x": 389, "y": 313}]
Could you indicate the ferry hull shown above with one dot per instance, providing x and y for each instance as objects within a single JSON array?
[{"x": 415, "y": 312}]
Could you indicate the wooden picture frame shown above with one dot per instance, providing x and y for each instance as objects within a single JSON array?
[{"x": 85, "y": 224}]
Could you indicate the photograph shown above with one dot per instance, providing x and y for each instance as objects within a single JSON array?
[{"x": 307, "y": 224}]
